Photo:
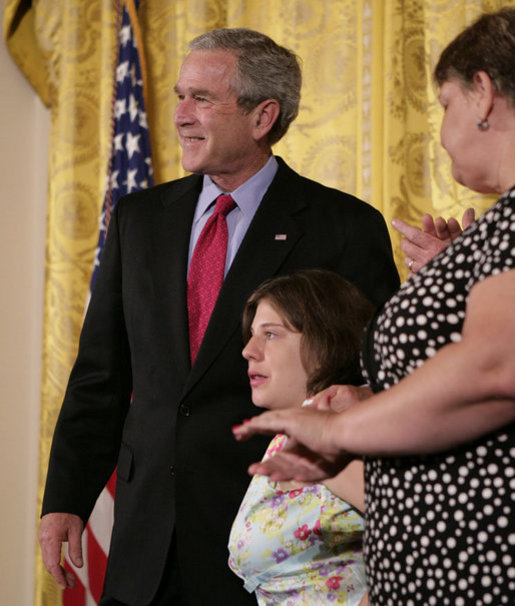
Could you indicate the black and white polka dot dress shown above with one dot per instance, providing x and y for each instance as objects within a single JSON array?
[{"x": 440, "y": 528}]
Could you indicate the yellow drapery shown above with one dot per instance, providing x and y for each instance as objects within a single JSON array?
[{"x": 368, "y": 123}]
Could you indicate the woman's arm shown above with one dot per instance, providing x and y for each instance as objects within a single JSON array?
[
  {"x": 364, "y": 600},
  {"x": 466, "y": 390},
  {"x": 349, "y": 485}
]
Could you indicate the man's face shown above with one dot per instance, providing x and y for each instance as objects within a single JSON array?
[{"x": 215, "y": 133}]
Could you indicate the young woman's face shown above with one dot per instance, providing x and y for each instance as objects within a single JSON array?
[{"x": 277, "y": 376}]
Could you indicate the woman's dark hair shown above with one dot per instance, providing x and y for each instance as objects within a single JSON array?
[
  {"x": 329, "y": 312},
  {"x": 487, "y": 45}
]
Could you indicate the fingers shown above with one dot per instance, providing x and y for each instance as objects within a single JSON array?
[
  {"x": 442, "y": 229},
  {"x": 56, "y": 528},
  {"x": 279, "y": 468},
  {"x": 454, "y": 229},
  {"x": 323, "y": 399},
  {"x": 75, "y": 546},
  {"x": 469, "y": 216},
  {"x": 421, "y": 246},
  {"x": 302, "y": 425},
  {"x": 70, "y": 579},
  {"x": 55, "y": 569},
  {"x": 287, "y": 465},
  {"x": 407, "y": 230},
  {"x": 267, "y": 423},
  {"x": 428, "y": 224},
  {"x": 51, "y": 551},
  {"x": 339, "y": 398}
]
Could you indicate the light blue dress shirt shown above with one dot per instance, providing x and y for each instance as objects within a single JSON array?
[{"x": 247, "y": 197}]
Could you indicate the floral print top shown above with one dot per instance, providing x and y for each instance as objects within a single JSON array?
[{"x": 301, "y": 546}]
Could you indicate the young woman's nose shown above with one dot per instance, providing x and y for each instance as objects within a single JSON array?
[{"x": 251, "y": 351}]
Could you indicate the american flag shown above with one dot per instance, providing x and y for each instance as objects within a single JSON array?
[{"x": 130, "y": 169}]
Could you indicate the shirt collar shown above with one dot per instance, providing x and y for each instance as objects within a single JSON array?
[{"x": 247, "y": 196}]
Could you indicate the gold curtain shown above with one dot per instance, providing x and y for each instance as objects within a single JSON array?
[{"x": 368, "y": 124}]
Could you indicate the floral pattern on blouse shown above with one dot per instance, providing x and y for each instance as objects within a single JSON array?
[{"x": 297, "y": 547}]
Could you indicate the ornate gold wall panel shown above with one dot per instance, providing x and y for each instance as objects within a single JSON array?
[
  {"x": 66, "y": 49},
  {"x": 368, "y": 124},
  {"x": 416, "y": 176}
]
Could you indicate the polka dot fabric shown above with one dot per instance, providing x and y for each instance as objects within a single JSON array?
[{"x": 438, "y": 527}]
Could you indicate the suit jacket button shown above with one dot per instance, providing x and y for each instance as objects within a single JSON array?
[
  {"x": 184, "y": 410},
  {"x": 172, "y": 470}
]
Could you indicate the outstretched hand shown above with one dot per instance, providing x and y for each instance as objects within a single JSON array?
[
  {"x": 54, "y": 530},
  {"x": 309, "y": 454},
  {"x": 421, "y": 245}
]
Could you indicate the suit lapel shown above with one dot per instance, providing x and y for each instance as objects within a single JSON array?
[
  {"x": 271, "y": 236},
  {"x": 172, "y": 229}
]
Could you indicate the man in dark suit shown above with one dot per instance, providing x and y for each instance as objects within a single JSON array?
[{"x": 135, "y": 400}]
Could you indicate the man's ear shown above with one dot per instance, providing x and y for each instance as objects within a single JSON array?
[
  {"x": 265, "y": 115},
  {"x": 484, "y": 93}
]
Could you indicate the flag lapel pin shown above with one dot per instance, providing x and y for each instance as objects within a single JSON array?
[{"x": 280, "y": 237}]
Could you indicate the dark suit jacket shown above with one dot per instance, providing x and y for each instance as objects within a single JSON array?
[{"x": 178, "y": 464}]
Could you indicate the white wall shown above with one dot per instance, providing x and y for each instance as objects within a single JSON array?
[{"x": 24, "y": 126}]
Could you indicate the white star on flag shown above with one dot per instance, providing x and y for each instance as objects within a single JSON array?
[
  {"x": 133, "y": 107},
  {"x": 143, "y": 119},
  {"x": 125, "y": 34},
  {"x": 118, "y": 142},
  {"x": 120, "y": 107},
  {"x": 131, "y": 179},
  {"x": 122, "y": 71},
  {"x": 113, "y": 181},
  {"x": 132, "y": 144}
]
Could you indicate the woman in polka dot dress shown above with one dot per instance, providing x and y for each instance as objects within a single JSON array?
[{"x": 438, "y": 433}]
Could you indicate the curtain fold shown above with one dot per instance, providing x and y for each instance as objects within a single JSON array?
[
  {"x": 415, "y": 174},
  {"x": 368, "y": 124},
  {"x": 66, "y": 49}
]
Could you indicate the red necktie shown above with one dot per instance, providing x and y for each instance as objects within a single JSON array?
[{"x": 206, "y": 272}]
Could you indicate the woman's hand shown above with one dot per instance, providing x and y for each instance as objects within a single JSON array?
[
  {"x": 339, "y": 398},
  {"x": 421, "y": 245},
  {"x": 309, "y": 454}
]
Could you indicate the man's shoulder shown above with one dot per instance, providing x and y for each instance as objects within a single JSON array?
[
  {"x": 319, "y": 195},
  {"x": 163, "y": 193}
]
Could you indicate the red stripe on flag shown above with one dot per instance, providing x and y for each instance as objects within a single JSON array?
[
  {"x": 97, "y": 562},
  {"x": 75, "y": 596},
  {"x": 111, "y": 484}
]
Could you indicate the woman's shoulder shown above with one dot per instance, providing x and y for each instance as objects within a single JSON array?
[{"x": 277, "y": 443}]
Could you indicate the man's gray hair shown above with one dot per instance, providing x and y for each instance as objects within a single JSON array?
[{"x": 264, "y": 70}]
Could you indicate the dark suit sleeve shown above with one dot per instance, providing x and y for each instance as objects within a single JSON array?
[
  {"x": 367, "y": 260},
  {"x": 88, "y": 432}
]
